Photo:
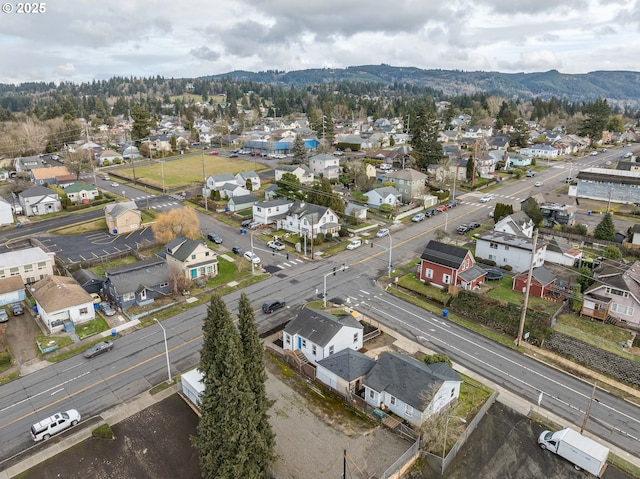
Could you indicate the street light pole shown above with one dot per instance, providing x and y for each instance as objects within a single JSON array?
[
  {"x": 166, "y": 348},
  {"x": 390, "y": 247},
  {"x": 446, "y": 221},
  {"x": 444, "y": 446},
  {"x": 252, "y": 254}
]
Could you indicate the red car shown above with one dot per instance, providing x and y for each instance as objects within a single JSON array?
[
  {"x": 214, "y": 152},
  {"x": 443, "y": 208}
]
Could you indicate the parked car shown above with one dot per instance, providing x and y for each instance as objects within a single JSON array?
[
  {"x": 356, "y": 243},
  {"x": 43, "y": 430},
  {"x": 249, "y": 256},
  {"x": 594, "y": 153},
  {"x": 538, "y": 183},
  {"x": 237, "y": 250},
  {"x": 462, "y": 229},
  {"x": 106, "y": 178},
  {"x": 98, "y": 348},
  {"x": 246, "y": 223},
  {"x": 419, "y": 217},
  {"x": 96, "y": 298},
  {"x": 431, "y": 212},
  {"x": 233, "y": 155},
  {"x": 16, "y": 309},
  {"x": 473, "y": 225},
  {"x": 452, "y": 203},
  {"x": 213, "y": 152},
  {"x": 114, "y": 184},
  {"x": 276, "y": 245},
  {"x": 443, "y": 208},
  {"x": 215, "y": 238},
  {"x": 4, "y": 317},
  {"x": 107, "y": 309},
  {"x": 273, "y": 305},
  {"x": 382, "y": 232},
  {"x": 531, "y": 174},
  {"x": 255, "y": 153},
  {"x": 485, "y": 198}
]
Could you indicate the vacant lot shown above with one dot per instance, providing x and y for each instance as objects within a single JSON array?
[{"x": 189, "y": 169}]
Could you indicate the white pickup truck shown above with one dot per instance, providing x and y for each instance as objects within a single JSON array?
[{"x": 275, "y": 245}]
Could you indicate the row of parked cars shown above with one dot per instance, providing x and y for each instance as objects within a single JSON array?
[
  {"x": 434, "y": 211},
  {"x": 16, "y": 310}
]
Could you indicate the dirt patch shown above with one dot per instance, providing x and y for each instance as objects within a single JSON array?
[{"x": 20, "y": 338}]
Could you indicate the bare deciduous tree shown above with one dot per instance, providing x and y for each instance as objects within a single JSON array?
[{"x": 178, "y": 222}]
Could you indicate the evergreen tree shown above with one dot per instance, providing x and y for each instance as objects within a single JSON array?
[
  {"x": 584, "y": 278},
  {"x": 140, "y": 128},
  {"x": 596, "y": 121},
  {"x": 532, "y": 210},
  {"x": 520, "y": 135},
  {"x": 605, "y": 230},
  {"x": 289, "y": 187},
  {"x": 262, "y": 452},
  {"x": 424, "y": 138},
  {"x": 224, "y": 431},
  {"x": 299, "y": 151},
  {"x": 501, "y": 210},
  {"x": 471, "y": 168}
]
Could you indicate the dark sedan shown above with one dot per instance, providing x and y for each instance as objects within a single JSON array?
[{"x": 98, "y": 348}]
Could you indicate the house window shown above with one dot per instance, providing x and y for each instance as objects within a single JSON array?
[
  {"x": 492, "y": 257},
  {"x": 330, "y": 350},
  {"x": 206, "y": 253},
  {"x": 304, "y": 343},
  {"x": 355, "y": 337},
  {"x": 84, "y": 311},
  {"x": 128, "y": 296},
  {"x": 313, "y": 349},
  {"x": 372, "y": 394},
  {"x": 506, "y": 248},
  {"x": 429, "y": 273},
  {"x": 143, "y": 294},
  {"x": 164, "y": 285},
  {"x": 42, "y": 265},
  {"x": 408, "y": 410},
  {"x": 28, "y": 268},
  {"x": 2, "y": 273},
  {"x": 446, "y": 279},
  {"x": 193, "y": 256},
  {"x": 618, "y": 292},
  {"x": 287, "y": 339},
  {"x": 392, "y": 401},
  {"x": 493, "y": 245},
  {"x": 453, "y": 391},
  {"x": 209, "y": 269},
  {"x": 14, "y": 271}
]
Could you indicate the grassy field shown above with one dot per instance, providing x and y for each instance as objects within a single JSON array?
[
  {"x": 189, "y": 169},
  {"x": 502, "y": 290}
]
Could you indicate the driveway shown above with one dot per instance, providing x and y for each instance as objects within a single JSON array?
[{"x": 20, "y": 336}]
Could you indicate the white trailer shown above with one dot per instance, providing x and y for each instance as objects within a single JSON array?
[
  {"x": 582, "y": 452},
  {"x": 192, "y": 386}
]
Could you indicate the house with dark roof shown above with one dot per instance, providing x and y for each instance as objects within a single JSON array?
[
  {"x": 318, "y": 334},
  {"x": 39, "y": 200},
  {"x": 386, "y": 195},
  {"x": 409, "y": 182},
  {"x": 268, "y": 212},
  {"x": 62, "y": 303},
  {"x": 509, "y": 249},
  {"x": 443, "y": 264},
  {"x": 619, "y": 281},
  {"x": 81, "y": 193},
  {"x": 306, "y": 218},
  {"x": 409, "y": 388},
  {"x": 190, "y": 259},
  {"x": 122, "y": 217},
  {"x": 344, "y": 371},
  {"x": 138, "y": 283},
  {"x": 543, "y": 282},
  {"x": 90, "y": 281},
  {"x": 242, "y": 202}
]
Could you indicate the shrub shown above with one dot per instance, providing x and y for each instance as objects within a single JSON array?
[
  {"x": 386, "y": 208},
  {"x": 506, "y": 267},
  {"x": 106, "y": 163}
]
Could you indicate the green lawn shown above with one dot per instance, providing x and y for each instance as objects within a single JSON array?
[
  {"x": 95, "y": 326},
  {"x": 503, "y": 290},
  {"x": 189, "y": 169}
]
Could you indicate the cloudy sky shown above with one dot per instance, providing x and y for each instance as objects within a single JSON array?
[{"x": 82, "y": 40}]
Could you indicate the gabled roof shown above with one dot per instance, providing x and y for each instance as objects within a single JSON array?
[
  {"x": 134, "y": 277},
  {"x": 226, "y": 177},
  {"x": 348, "y": 364},
  {"x": 78, "y": 187},
  {"x": 472, "y": 274},
  {"x": 37, "y": 191},
  {"x": 513, "y": 241},
  {"x": 408, "y": 379},
  {"x": 49, "y": 172},
  {"x": 182, "y": 248},
  {"x": 56, "y": 293},
  {"x": 318, "y": 326},
  {"x": 243, "y": 199},
  {"x": 303, "y": 209},
  {"x": 385, "y": 191},
  {"x": 292, "y": 168},
  {"x": 541, "y": 274},
  {"x": 86, "y": 276},
  {"x": 408, "y": 174},
  {"x": 444, "y": 254},
  {"x": 248, "y": 174},
  {"x": 118, "y": 209},
  {"x": 11, "y": 284}
]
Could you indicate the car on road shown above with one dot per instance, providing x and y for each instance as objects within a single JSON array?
[
  {"x": 538, "y": 183},
  {"x": 442, "y": 208},
  {"x": 233, "y": 155},
  {"x": 43, "y": 430},
  {"x": 214, "y": 237},
  {"x": 452, "y": 203},
  {"x": 485, "y": 198},
  {"x": 213, "y": 153},
  {"x": 249, "y": 256},
  {"x": 531, "y": 174},
  {"x": 419, "y": 217},
  {"x": 16, "y": 309},
  {"x": 237, "y": 250},
  {"x": 273, "y": 305},
  {"x": 462, "y": 229},
  {"x": 431, "y": 212},
  {"x": 106, "y": 178},
  {"x": 115, "y": 184},
  {"x": 628, "y": 154},
  {"x": 382, "y": 232},
  {"x": 107, "y": 309},
  {"x": 98, "y": 348},
  {"x": 356, "y": 243},
  {"x": 276, "y": 245},
  {"x": 594, "y": 153},
  {"x": 607, "y": 163},
  {"x": 4, "y": 317},
  {"x": 473, "y": 225}
]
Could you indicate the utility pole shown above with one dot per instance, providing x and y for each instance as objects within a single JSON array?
[
  {"x": 204, "y": 186},
  {"x": 527, "y": 288},
  {"x": 588, "y": 411}
]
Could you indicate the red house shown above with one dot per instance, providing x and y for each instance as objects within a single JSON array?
[
  {"x": 442, "y": 264},
  {"x": 542, "y": 282}
]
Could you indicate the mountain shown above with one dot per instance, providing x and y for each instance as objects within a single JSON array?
[{"x": 621, "y": 87}]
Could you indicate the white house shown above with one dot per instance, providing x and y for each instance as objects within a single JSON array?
[
  {"x": 318, "y": 334},
  {"x": 267, "y": 212},
  {"x": 302, "y": 172},
  {"x": 31, "y": 264},
  {"x": 39, "y": 200},
  {"x": 326, "y": 165},
  {"x": 517, "y": 223},
  {"x": 561, "y": 253},
  {"x": 215, "y": 182},
  {"x": 385, "y": 195},
  {"x": 508, "y": 249},
  {"x": 541, "y": 151},
  {"x": 251, "y": 176},
  {"x": 6, "y": 212},
  {"x": 61, "y": 300},
  {"x": 310, "y": 220},
  {"x": 409, "y": 388}
]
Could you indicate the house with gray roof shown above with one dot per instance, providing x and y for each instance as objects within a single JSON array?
[
  {"x": 443, "y": 264},
  {"x": 508, "y": 249},
  {"x": 302, "y": 172},
  {"x": 39, "y": 200},
  {"x": 190, "y": 259},
  {"x": 326, "y": 165},
  {"x": 138, "y": 283},
  {"x": 242, "y": 202},
  {"x": 559, "y": 252},
  {"x": 90, "y": 281},
  {"x": 122, "y": 217},
  {"x": 411, "y": 389},
  {"x": 318, "y": 334},
  {"x": 304, "y": 218},
  {"x": 250, "y": 176},
  {"x": 386, "y": 195},
  {"x": 409, "y": 182},
  {"x": 543, "y": 282},
  {"x": 268, "y": 212},
  {"x": 344, "y": 371},
  {"x": 517, "y": 223}
]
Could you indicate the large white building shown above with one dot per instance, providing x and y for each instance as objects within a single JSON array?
[{"x": 32, "y": 264}]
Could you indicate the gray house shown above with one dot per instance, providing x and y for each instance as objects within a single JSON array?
[
  {"x": 344, "y": 371},
  {"x": 139, "y": 283},
  {"x": 244, "y": 202},
  {"x": 39, "y": 200}
]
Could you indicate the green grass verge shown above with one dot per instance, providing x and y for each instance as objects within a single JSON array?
[
  {"x": 103, "y": 431},
  {"x": 9, "y": 377},
  {"x": 503, "y": 290},
  {"x": 92, "y": 327}
]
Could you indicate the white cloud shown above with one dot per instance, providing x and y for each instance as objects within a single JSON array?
[{"x": 81, "y": 40}]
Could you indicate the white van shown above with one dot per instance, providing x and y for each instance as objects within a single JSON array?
[{"x": 43, "y": 430}]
